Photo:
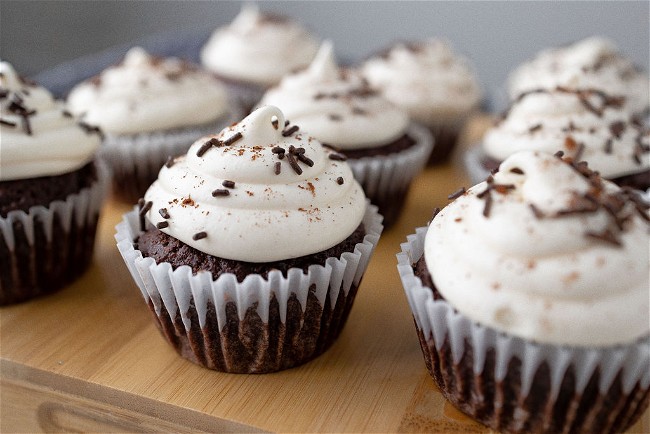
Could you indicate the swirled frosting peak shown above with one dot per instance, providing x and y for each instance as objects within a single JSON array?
[
  {"x": 37, "y": 136},
  {"x": 259, "y": 191},
  {"x": 337, "y": 105},
  {"x": 587, "y": 124},
  {"x": 146, "y": 93},
  {"x": 593, "y": 62},
  {"x": 548, "y": 251},
  {"x": 258, "y": 47},
  {"x": 426, "y": 78}
]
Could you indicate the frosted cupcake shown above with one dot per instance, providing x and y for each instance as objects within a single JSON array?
[
  {"x": 586, "y": 125},
  {"x": 250, "y": 249},
  {"x": 338, "y": 107},
  {"x": 437, "y": 87},
  {"x": 253, "y": 52},
  {"x": 51, "y": 191},
  {"x": 530, "y": 296},
  {"x": 592, "y": 63},
  {"x": 149, "y": 108}
]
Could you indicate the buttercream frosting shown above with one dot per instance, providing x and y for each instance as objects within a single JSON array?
[
  {"x": 557, "y": 255},
  {"x": 337, "y": 106},
  {"x": 593, "y": 62},
  {"x": 235, "y": 198},
  {"x": 146, "y": 93},
  {"x": 597, "y": 126},
  {"x": 258, "y": 47},
  {"x": 426, "y": 78},
  {"x": 37, "y": 136}
]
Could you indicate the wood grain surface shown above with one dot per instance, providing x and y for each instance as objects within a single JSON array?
[{"x": 89, "y": 358}]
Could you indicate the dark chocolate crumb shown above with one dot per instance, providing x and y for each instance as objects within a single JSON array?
[
  {"x": 275, "y": 123},
  {"x": 162, "y": 225},
  {"x": 228, "y": 184},
  {"x": 617, "y": 128}
]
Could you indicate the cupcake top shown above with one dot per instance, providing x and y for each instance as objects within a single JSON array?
[
  {"x": 337, "y": 105},
  {"x": 37, "y": 136},
  {"x": 145, "y": 93},
  {"x": 258, "y": 48},
  {"x": 426, "y": 78},
  {"x": 548, "y": 251},
  {"x": 585, "y": 124},
  {"x": 594, "y": 62},
  {"x": 259, "y": 191}
]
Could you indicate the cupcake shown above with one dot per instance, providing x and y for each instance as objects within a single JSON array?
[
  {"x": 585, "y": 124},
  {"x": 51, "y": 191},
  {"x": 149, "y": 108},
  {"x": 592, "y": 63},
  {"x": 530, "y": 296},
  {"x": 250, "y": 249},
  {"x": 337, "y": 106},
  {"x": 437, "y": 87},
  {"x": 255, "y": 51}
]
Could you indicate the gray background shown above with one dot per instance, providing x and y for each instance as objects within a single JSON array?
[{"x": 35, "y": 36}]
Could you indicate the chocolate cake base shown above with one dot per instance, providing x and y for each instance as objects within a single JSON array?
[
  {"x": 249, "y": 345},
  {"x": 500, "y": 404},
  {"x": 637, "y": 181},
  {"x": 30, "y": 270},
  {"x": 390, "y": 200}
]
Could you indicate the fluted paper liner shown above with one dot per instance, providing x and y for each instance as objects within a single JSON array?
[
  {"x": 537, "y": 387},
  {"x": 208, "y": 307},
  {"x": 48, "y": 246},
  {"x": 136, "y": 159},
  {"x": 386, "y": 179}
]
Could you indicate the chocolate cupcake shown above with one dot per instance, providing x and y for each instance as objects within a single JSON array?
[
  {"x": 437, "y": 87},
  {"x": 337, "y": 107},
  {"x": 51, "y": 191},
  {"x": 592, "y": 63},
  {"x": 250, "y": 249},
  {"x": 149, "y": 108},
  {"x": 253, "y": 52},
  {"x": 530, "y": 296},
  {"x": 584, "y": 124}
]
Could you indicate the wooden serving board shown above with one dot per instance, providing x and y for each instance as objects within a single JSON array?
[{"x": 89, "y": 358}]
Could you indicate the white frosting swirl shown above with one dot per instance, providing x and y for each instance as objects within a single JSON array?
[
  {"x": 146, "y": 93},
  {"x": 265, "y": 217},
  {"x": 594, "y": 62},
  {"x": 337, "y": 106},
  {"x": 258, "y": 48},
  {"x": 425, "y": 78},
  {"x": 542, "y": 278},
  {"x": 562, "y": 120},
  {"x": 37, "y": 137}
]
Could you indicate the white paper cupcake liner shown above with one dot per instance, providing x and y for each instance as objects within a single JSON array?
[
  {"x": 385, "y": 178},
  {"x": 136, "y": 159},
  {"x": 173, "y": 292},
  {"x": 51, "y": 239},
  {"x": 625, "y": 365}
]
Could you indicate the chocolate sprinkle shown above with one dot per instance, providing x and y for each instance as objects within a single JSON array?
[
  {"x": 606, "y": 236},
  {"x": 617, "y": 128},
  {"x": 288, "y": 132},
  {"x": 275, "y": 123},
  {"x": 488, "y": 206},
  {"x": 608, "y": 146},
  {"x": 535, "y": 128},
  {"x": 456, "y": 194},
  {"x": 278, "y": 150},
  {"x": 228, "y": 184},
  {"x": 145, "y": 208},
  {"x": 164, "y": 213},
  {"x": 7, "y": 123},
  {"x": 278, "y": 168},
  {"x": 436, "y": 211},
  {"x": 294, "y": 164},
  {"x": 339, "y": 180},
  {"x": 308, "y": 161},
  {"x": 337, "y": 157},
  {"x": 170, "y": 162},
  {"x": 536, "y": 211},
  {"x": 199, "y": 236},
  {"x": 232, "y": 139},
  {"x": 220, "y": 192},
  {"x": 204, "y": 148},
  {"x": 162, "y": 225}
]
